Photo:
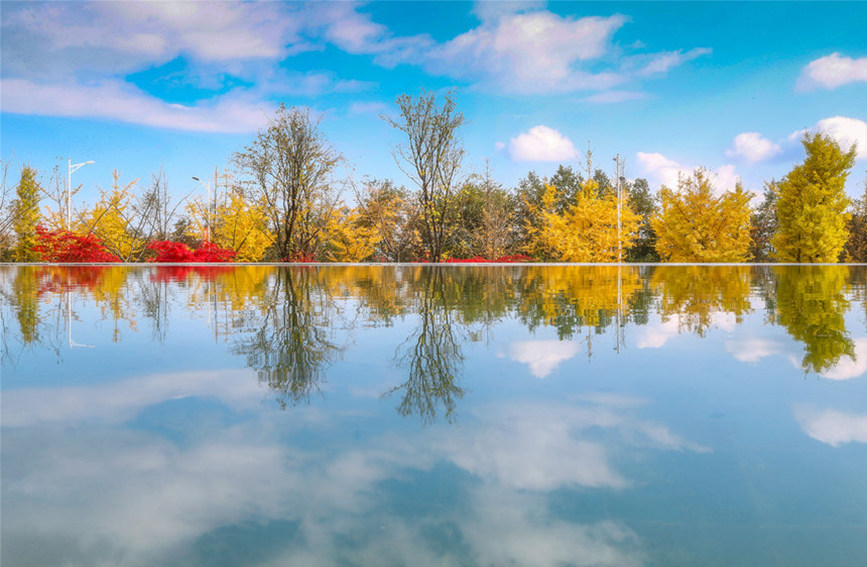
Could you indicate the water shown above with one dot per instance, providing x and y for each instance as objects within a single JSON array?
[{"x": 386, "y": 415}]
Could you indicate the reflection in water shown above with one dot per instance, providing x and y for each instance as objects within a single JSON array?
[
  {"x": 155, "y": 448},
  {"x": 291, "y": 323},
  {"x": 811, "y": 304},
  {"x": 432, "y": 354}
]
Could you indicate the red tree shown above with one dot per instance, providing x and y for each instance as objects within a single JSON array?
[{"x": 177, "y": 252}]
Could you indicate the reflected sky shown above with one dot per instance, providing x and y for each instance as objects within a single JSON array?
[{"x": 369, "y": 415}]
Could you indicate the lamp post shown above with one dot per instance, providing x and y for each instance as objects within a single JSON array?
[
  {"x": 207, "y": 187},
  {"x": 70, "y": 170}
]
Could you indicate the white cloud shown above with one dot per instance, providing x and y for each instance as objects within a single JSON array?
[
  {"x": 752, "y": 349},
  {"x": 499, "y": 145},
  {"x": 661, "y": 63},
  {"x": 752, "y": 147},
  {"x": 848, "y": 367},
  {"x": 487, "y": 10},
  {"x": 663, "y": 171},
  {"x": 833, "y": 71},
  {"x": 847, "y": 131},
  {"x": 543, "y": 357},
  {"x": 542, "y": 143},
  {"x": 119, "y": 401},
  {"x": 537, "y": 52},
  {"x": 832, "y": 427},
  {"x": 613, "y": 97},
  {"x": 115, "y": 100},
  {"x": 655, "y": 336}
]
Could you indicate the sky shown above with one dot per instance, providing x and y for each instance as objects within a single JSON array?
[{"x": 669, "y": 86}]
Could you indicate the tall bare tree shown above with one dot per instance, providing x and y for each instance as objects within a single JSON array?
[
  {"x": 431, "y": 157},
  {"x": 290, "y": 166}
]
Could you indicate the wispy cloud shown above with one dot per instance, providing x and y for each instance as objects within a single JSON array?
[
  {"x": 120, "y": 101},
  {"x": 614, "y": 97}
]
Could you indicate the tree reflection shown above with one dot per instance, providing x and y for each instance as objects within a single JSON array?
[
  {"x": 289, "y": 338},
  {"x": 811, "y": 305},
  {"x": 698, "y": 295},
  {"x": 432, "y": 353}
]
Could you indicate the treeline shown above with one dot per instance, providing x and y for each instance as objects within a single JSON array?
[{"x": 281, "y": 199}]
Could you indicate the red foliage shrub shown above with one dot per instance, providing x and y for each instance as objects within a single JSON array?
[
  {"x": 177, "y": 252},
  {"x": 64, "y": 246}
]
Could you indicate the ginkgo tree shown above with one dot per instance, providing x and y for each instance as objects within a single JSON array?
[
  {"x": 812, "y": 202},
  {"x": 695, "y": 224},
  {"x": 587, "y": 230}
]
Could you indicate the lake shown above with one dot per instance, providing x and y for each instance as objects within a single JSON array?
[{"x": 434, "y": 415}]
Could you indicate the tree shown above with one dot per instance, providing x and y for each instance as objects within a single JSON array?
[
  {"x": 347, "y": 239},
  {"x": 763, "y": 225},
  {"x": 812, "y": 202},
  {"x": 7, "y": 219},
  {"x": 856, "y": 246},
  {"x": 694, "y": 225},
  {"x": 393, "y": 216},
  {"x": 25, "y": 215},
  {"x": 431, "y": 157},
  {"x": 119, "y": 222},
  {"x": 643, "y": 202},
  {"x": 64, "y": 246},
  {"x": 587, "y": 230},
  {"x": 242, "y": 225},
  {"x": 289, "y": 167}
]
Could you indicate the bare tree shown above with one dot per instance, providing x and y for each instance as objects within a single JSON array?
[
  {"x": 291, "y": 166},
  {"x": 6, "y": 217},
  {"x": 431, "y": 157}
]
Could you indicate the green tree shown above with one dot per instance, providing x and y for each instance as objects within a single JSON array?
[
  {"x": 763, "y": 225},
  {"x": 643, "y": 202},
  {"x": 812, "y": 202},
  {"x": 25, "y": 214},
  {"x": 431, "y": 157},
  {"x": 856, "y": 246},
  {"x": 694, "y": 225}
]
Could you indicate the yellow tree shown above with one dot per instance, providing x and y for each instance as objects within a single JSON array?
[
  {"x": 242, "y": 225},
  {"x": 347, "y": 239},
  {"x": 25, "y": 215},
  {"x": 812, "y": 202},
  {"x": 694, "y": 225},
  {"x": 586, "y": 231},
  {"x": 113, "y": 219}
]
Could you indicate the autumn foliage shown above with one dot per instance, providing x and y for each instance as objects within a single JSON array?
[
  {"x": 178, "y": 252},
  {"x": 64, "y": 246}
]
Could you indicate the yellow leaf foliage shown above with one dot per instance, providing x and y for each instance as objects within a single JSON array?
[
  {"x": 111, "y": 220},
  {"x": 348, "y": 240},
  {"x": 694, "y": 225},
  {"x": 587, "y": 230},
  {"x": 242, "y": 226}
]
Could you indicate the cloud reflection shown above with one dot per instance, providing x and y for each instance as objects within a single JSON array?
[
  {"x": 830, "y": 426},
  {"x": 543, "y": 357}
]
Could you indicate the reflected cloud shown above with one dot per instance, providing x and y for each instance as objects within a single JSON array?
[
  {"x": 846, "y": 366},
  {"x": 752, "y": 349},
  {"x": 543, "y": 357},
  {"x": 655, "y": 336},
  {"x": 116, "y": 402},
  {"x": 544, "y": 447},
  {"x": 830, "y": 426}
]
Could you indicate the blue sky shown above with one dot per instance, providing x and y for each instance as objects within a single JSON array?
[{"x": 670, "y": 86}]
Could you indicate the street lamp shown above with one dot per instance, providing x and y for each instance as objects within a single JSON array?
[
  {"x": 207, "y": 187},
  {"x": 71, "y": 169}
]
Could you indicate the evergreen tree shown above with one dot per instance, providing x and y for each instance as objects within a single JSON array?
[
  {"x": 25, "y": 211},
  {"x": 812, "y": 202}
]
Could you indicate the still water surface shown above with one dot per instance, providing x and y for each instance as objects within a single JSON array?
[{"x": 454, "y": 415}]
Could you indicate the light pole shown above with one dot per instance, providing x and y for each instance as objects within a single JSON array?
[
  {"x": 70, "y": 170},
  {"x": 207, "y": 187}
]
